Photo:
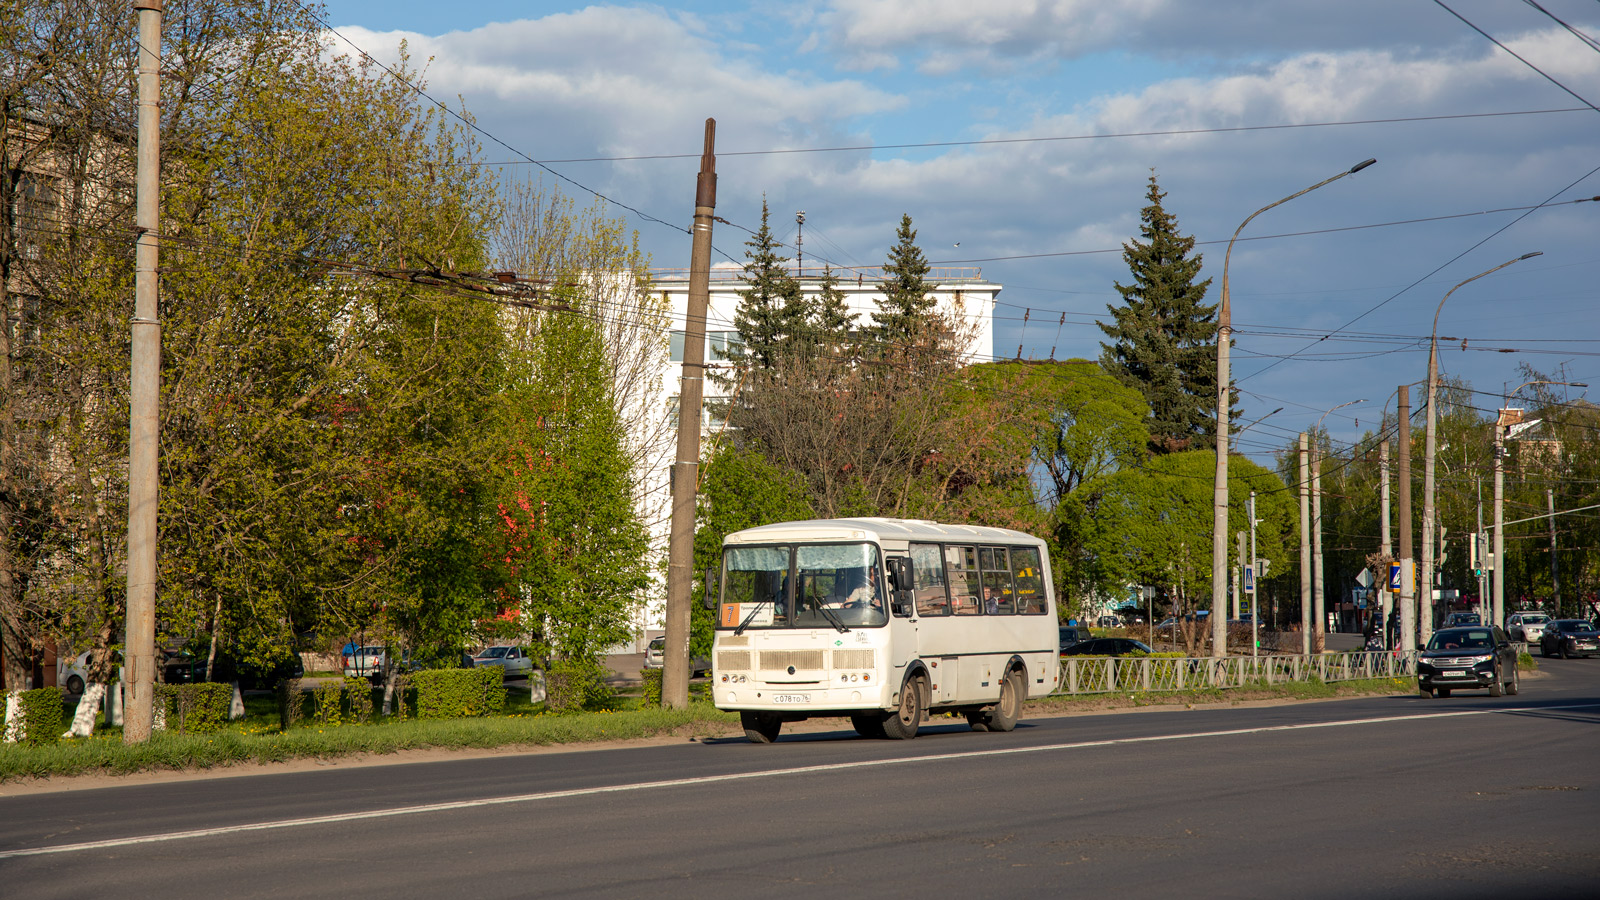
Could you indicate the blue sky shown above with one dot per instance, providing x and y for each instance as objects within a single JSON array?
[{"x": 1046, "y": 217}]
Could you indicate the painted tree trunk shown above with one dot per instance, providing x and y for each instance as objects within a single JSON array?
[{"x": 88, "y": 710}]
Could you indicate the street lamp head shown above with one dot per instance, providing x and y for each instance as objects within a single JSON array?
[
  {"x": 1361, "y": 165},
  {"x": 1530, "y": 255}
]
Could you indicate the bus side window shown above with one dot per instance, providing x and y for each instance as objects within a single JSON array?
[
  {"x": 966, "y": 590},
  {"x": 1000, "y": 598},
  {"x": 928, "y": 576},
  {"x": 1030, "y": 580}
]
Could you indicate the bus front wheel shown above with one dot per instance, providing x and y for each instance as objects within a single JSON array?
[
  {"x": 902, "y": 724},
  {"x": 868, "y": 726},
  {"x": 760, "y": 728}
]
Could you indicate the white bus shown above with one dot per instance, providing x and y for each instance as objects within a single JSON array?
[{"x": 881, "y": 620}]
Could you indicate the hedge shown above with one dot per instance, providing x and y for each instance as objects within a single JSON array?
[
  {"x": 652, "y": 686},
  {"x": 41, "y": 717},
  {"x": 197, "y": 708},
  {"x": 457, "y": 693}
]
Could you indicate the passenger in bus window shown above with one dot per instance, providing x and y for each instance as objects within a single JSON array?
[{"x": 860, "y": 589}]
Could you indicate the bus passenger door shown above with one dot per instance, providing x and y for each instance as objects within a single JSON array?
[{"x": 902, "y": 647}]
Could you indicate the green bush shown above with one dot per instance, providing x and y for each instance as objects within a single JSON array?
[
  {"x": 358, "y": 698},
  {"x": 457, "y": 693},
  {"x": 291, "y": 703},
  {"x": 42, "y": 716},
  {"x": 572, "y": 684},
  {"x": 652, "y": 686},
  {"x": 401, "y": 683},
  {"x": 195, "y": 708},
  {"x": 327, "y": 702}
]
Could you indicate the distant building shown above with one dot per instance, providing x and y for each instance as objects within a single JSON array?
[{"x": 958, "y": 291}]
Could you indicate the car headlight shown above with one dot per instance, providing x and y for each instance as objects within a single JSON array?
[{"x": 1477, "y": 660}]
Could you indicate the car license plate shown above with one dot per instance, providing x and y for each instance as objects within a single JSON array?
[
  {"x": 1454, "y": 673},
  {"x": 791, "y": 698}
]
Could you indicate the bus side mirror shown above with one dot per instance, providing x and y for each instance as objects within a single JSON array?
[
  {"x": 709, "y": 601},
  {"x": 903, "y": 582}
]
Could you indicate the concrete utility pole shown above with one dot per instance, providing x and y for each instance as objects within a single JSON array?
[
  {"x": 1255, "y": 583},
  {"x": 1408, "y": 606},
  {"x": 686, "y": 471},
  {"x": 1319, "y": 641},
  {"x": 1305, "y": 548},
  {"x": 1555, "y": 571},
  {"x": 1238, "y": 594},
  {"x": 1219, "y": 498},
  {"x": 1497, "y": 570},
  {"x": 1385, "y": 599},
  {"x": 144, "y": 392}
]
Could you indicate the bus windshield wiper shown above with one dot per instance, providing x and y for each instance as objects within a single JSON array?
[
  {"x": 832, "y": 617},
  {"x": 750, "y": 618}
]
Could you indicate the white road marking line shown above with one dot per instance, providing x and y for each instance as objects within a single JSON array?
[{"x": 742, "y": 776}]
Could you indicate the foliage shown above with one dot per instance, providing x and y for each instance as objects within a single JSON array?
[
  {"x": 906, "y": 311},
  {"x": 197, "y": 708},
  {"x": 42, "y": 715},
  {"x": 572, "y": 684},
  {"x": 358, "y": 699},
  {"x": 771, "y": 312},
  {"x": 1164, "y": 335},
  {"x": 651, "y": 680},
  {"x": 454, "y": 693},
  {"x": 1151, "y": 524},
  {"x": 291, "y": 703},
  {"x": 327, "y": 702}
]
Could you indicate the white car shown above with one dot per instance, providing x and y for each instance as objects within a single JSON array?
[
  {"x": 655, "y": 658},
  {"x": 74, "y": 675},
  {"x": 514, "y": 660},
  {"x": 1527, "y": 626}
]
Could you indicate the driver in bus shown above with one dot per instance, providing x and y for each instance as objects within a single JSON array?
[{"x": 860, "y": 589}]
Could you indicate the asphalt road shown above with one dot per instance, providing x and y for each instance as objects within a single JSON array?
[{"x": 1381, "y": 797}]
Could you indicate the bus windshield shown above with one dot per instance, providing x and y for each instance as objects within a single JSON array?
[{"x": 838, "y": 586}]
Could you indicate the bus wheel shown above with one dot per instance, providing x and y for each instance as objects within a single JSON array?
[
  {"x": 978, "y": 720},
  {"x": 868, "y": 726},
  {"x": 760, "y": 728},
  {"x": 902, "y": 724},
  {"x": 1006, "y": 713}
]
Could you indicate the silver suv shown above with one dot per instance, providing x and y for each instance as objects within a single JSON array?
[
  {"x": 1527, "y": 627},
  {"x": 655, "y": 658}
]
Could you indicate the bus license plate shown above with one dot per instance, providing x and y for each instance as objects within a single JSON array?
[{"x": 791, "y": 698}]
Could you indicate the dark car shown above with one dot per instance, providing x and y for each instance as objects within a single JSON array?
[
  {"x": 1072, "y": 635},
  {"x": 1567, "y": 638},
  {"x": 1462, "y": 618},
  {"x": 253, "y": 676},
  {"x": 1107, "y": 647},
  {"x": 1473, "y": 657}
]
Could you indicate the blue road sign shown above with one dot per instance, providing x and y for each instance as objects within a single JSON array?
[{"x": 1394, "y": 576}]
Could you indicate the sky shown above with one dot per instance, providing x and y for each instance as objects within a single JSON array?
[{"x": 1037, "y": 125}]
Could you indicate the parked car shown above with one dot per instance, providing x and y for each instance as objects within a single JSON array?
[
  {"x": 1472, "y": 657},
  {"x": 1527, "y": 627},
  {"x": 514, "y": 660},
  {"x": 364, "y": 662},
  {"x": 1567, "y": 638},
  {"x": 1462, "y": 618},
  {"x": 1108, "y": 622},
  {"x": 655, "y": 658},
  {"x": 1072, "y": 635},
  {"x": 75, "y": 676},
  {"x": 1107, "y": 647}
]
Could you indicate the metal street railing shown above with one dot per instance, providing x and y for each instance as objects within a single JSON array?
[{"x": 1146, "y": 674}]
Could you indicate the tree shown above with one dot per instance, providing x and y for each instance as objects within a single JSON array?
[
  {"x": 904, "y": 313},
  {"x": 771, "y": 311},
  {"x": 1164, "y": 335}
]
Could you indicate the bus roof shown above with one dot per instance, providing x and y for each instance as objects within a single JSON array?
[{"x": 871, "y": 528}]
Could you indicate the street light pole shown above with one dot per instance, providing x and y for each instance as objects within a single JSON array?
[
  {"x": 1426, "y": 576},
  {"x": 1219, "y": 522}
]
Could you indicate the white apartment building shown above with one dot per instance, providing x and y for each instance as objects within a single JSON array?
[{"x": 960, "y": 292}]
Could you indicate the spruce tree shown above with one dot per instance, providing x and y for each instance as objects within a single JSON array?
[
  {"x": 906, "y": 304},
  {"x": 831, "y": 321},
  {"x": 771, "y": 309},
  {"x": 1164, "y": 335}
]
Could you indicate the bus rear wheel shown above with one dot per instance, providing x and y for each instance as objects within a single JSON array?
[
  {"x": 760, "y": 728},
  {"x": 902, "y": 724},
  {"x": 1005, "y": 714}
]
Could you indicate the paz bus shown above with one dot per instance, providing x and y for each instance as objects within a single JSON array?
[{"x": 881, "y": 620}]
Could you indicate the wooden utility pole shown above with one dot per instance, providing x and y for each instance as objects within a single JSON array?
[
  {"x": 686, "y": 471},
  {"x": 144, "y": 392},
  {"x": 1555, "y": 570}
]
